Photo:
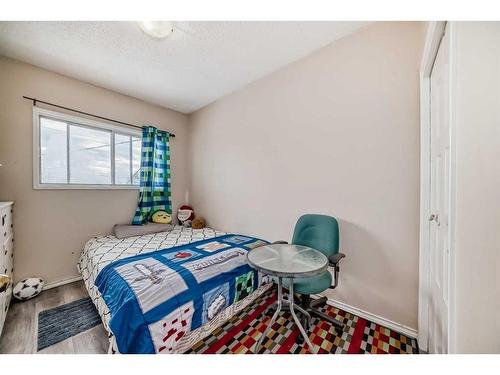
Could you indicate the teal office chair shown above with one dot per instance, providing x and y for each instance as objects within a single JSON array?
[{"x": 320, "y": 232}]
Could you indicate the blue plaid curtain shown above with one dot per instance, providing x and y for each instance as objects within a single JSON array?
[{"x": 155, "y": 175}]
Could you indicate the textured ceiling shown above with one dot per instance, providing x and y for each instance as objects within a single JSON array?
[{"x": 199, "y": 63}]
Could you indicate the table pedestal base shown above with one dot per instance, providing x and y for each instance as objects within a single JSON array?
[{"x": 291, "y": 306}]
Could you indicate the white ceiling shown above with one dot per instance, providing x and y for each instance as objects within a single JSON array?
[{"x": 199, "y": 63}]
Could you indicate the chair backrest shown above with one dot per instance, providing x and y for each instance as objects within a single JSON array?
[{"x": 321, "y": 232}]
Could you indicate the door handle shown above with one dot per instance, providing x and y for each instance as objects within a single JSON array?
[{"x": 434, "y": 217}]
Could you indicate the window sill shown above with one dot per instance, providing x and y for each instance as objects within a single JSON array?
[{"x": 82, "y": 187}]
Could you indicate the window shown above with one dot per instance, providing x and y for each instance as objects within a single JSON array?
[{"x": 77, "y": 153}]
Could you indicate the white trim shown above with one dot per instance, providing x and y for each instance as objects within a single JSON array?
[
  {"x": 55, "y": 284},
  {"x": 433, "y": 38},
  {"x": 401, "y": 328},
  {"x": 423, "y": 305},
  {"x": 83, "y": 187},
  {"x": 123, "y": 129},
  {"x": 36, "y": 148},
  {"x": 79, "y": 121},
  {"x": 453, "y": 88},
  {"x": 435, "y": 32}
]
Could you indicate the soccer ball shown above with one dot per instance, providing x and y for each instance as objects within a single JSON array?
[{"x": 28, "y": 288}]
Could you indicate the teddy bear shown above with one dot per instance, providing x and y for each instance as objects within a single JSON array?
[{"x": 198, "y": 223}]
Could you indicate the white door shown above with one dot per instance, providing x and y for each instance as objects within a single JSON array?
[{"x": 439, "y": 202}]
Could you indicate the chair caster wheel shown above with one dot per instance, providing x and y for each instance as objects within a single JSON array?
[
  {"x": 305, "y": 323},
  {"x": 339, "y": 330}
]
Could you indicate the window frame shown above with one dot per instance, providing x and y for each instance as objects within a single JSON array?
[{"x": 82, "y": 122}]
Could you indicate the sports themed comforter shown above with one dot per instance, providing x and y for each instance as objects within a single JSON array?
[{"x": 157, "y": 298}]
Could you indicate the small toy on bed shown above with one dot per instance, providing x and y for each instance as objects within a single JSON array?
[
  {"x": 185, "y": 215},
  {"x": 161, "y": 217},
  {"x": 198, "y": 223}
]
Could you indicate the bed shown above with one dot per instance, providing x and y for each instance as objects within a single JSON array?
[{"x": 106, "y": 261}]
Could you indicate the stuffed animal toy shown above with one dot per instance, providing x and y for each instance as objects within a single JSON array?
[
  {"x": 198, "y": 223},
  {"x": 4, "y": 283},
  {"x": 161, "y": 217},
  {"x": 185, "y": 215}
]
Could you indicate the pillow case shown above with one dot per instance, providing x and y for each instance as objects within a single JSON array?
[{"x": 126, "y": 230}]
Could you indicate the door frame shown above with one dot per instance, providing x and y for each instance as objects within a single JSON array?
[{"x": 435, "y": 32}]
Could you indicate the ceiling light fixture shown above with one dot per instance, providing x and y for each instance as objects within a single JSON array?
[{"x": 157, "y": 29}]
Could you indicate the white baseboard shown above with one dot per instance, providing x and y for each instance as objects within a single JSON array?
[
  {"x": 401, "y": 328},
  {"x": 55, "y": 284}
]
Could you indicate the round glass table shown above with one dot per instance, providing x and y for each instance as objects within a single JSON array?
[{"x": 289, "y": 262}]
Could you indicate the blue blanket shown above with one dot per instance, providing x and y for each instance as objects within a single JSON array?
[{"x": 156, "y": 298}]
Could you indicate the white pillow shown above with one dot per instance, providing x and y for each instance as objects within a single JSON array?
[{"x": 28, "y": 288}]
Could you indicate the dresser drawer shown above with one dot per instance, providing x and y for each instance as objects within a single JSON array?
[
  {"x": 5, "y": 296},
  {"x": 8, "y": 256},
  {"x": 3, "y": 259},
  {"x": 4, "y": 305},
  {"x": 5, "y": 223},
  {"x": 8, "y": 297}
]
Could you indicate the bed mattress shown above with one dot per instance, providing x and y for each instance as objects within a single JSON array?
[{"x": 100, "y": 251}]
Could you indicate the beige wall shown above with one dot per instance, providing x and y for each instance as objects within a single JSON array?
[
  {"x": 477, "y": 134},
  {"x": 51, "y": 226},
  {"x": 312, "y": 137},
  {"x": 335, "y": 133}
]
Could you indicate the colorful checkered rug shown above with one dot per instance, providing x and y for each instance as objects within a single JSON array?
[{"x": 239, "y": 334}]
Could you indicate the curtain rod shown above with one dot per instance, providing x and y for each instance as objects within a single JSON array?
[{"x": 35, "y": 100}]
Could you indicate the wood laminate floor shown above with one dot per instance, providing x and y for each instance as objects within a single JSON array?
[
  {"x": 21, "y": 330},
  {"x": 21, "y": 326}
]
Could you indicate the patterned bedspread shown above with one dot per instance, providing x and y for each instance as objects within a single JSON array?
[
  {"x": 155, "y": 299},
  {"x": 101, "y": 251}
]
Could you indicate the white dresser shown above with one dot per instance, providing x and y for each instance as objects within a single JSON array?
[{"x": 6, "y": 255}]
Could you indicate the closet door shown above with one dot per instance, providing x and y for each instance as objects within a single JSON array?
[{"x": 439, "y": 202}]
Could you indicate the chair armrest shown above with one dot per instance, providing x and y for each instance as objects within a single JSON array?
[
  {"x": 279, "y": 242},
  {"x": 335, "y": 258}
]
